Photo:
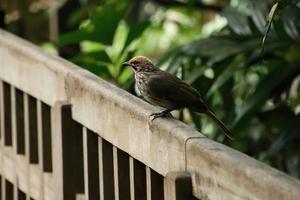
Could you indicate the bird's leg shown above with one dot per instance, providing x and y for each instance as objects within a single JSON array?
[{"x": 161, "y": 114}]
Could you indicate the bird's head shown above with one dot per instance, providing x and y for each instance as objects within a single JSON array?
[{"x": 140, "y": 64}]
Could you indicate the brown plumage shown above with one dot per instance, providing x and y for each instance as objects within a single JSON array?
[{"x": 166, "y": 90}]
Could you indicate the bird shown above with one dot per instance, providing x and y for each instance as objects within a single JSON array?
[{"x": 166, "y": 90}]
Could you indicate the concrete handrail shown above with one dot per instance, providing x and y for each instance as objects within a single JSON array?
[{"x": 165, "y": 145}]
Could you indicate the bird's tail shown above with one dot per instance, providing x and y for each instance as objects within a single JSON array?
[{"x": 226, "y": 131}]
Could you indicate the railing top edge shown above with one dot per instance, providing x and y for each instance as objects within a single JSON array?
[
  {"x": 55, "y": 63},
  {"x": 220, "y": 172}
]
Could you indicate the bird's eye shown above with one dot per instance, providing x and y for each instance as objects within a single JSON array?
[{"x": 134, "y": 62}]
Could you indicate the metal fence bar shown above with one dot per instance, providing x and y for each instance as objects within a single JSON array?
[
  {"x": 91, "y": 164},
  {"x": 148, "y": 183},
  {"x": 14, "y": 136},
  {"x": 56, "y": 136},
  {"x": 131, "y": 175},
  {"x": 40, "y": 149},
  {"x": 100, "y": 160},
  {"x": 116, "y": 173}
]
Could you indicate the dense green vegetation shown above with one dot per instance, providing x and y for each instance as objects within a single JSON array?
[{"x": 218, "y": 49}]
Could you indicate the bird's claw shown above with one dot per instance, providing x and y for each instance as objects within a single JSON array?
[{"x": 160, "y": 114}]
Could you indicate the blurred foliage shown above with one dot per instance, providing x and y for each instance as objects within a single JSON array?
[{"x": 242, "y": 55}]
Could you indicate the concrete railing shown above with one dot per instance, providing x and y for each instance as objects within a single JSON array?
[{"x": 67, "y": 134}]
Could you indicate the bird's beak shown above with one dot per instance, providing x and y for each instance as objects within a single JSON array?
[{"x": 125, "y": 64}]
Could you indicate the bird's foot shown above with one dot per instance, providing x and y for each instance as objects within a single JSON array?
[{"x": 163, "y": 113}]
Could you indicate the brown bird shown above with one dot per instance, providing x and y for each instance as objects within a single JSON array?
[{"x": 166, "y": 90}]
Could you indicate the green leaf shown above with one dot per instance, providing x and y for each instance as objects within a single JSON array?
[
  {"x": 136, "y": 31},
  {"x": 269, "y": 23},
  {"x": 258, "y": 14},
  {"x": 218, "y": 48},
  {"x": 72, "y": 37},
  {"x": 263, "y": 92},
  {"x": 290, "y": 18},
  {"x": 287, "y": 134},
  {"x": 237, "y": 21},
  {"x": 105, "y": 20},
  {"x": 226, "y": 74},
  {"x": 95, "y": 55},
  {"x": 95, "y": 61}
]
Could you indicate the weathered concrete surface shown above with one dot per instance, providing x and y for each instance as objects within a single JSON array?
[
  {"x": 218, "y": 172},
  {"x": 25, "y": 66}
]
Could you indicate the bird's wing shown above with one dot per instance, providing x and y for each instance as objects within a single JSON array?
[{"x": 167, "y": 86}]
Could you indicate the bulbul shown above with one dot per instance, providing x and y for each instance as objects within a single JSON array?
[{"x": 163, "y": 89}]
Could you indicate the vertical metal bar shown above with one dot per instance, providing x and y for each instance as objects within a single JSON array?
[
  {"x": 13, "y": 117},
  {"x": 85, "y": 163},
  {"x": 100, "y": 160},
  {"x": 3, "y": 188},
  {"x": 40, "y": 148},
  {"x": 26, "y": 137},
  {"x": 1, "y": 113},
  {"x": 1, "y": 138},
  {"x": 148, "y": 182},
  {"x": 56, "y": 126},
  {"x": 14, "y": 140},
  {"x": 116, "y": 178},
  {"x": 131, "y": 169}
]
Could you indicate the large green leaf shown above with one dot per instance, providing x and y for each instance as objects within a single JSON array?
[
  {"x": 106, "y": 19},
  {"x": 287, "y": 134},
  {"x": 264, "y": 90},
  {"x": 101, "y": 27},
  {"x": 237, "y": 21},
  {"x": 259, "y": 11},
  {"x": 218, "y": 48},
  {"x": 72, "y": 37},
  {"x": 135, "y": 31},
  {"x": 225, "y": 75},
  {"x": 291, "y": 22}
]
